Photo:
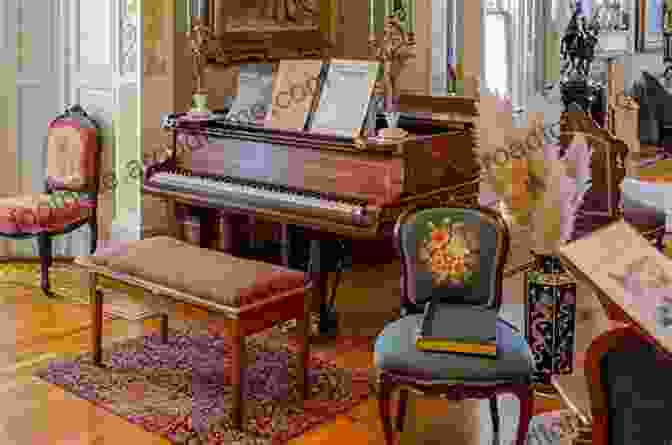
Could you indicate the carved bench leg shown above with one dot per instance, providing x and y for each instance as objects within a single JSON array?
[
  {"x": 164, "y": 328},
  {"x": 96, "y": 301},
  {"x": 238, "y": 366}
]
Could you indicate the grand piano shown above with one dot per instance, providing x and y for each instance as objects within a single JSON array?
[{"x": 332, "y": 187}]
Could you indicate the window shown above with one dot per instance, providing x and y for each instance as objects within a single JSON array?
[
  {"x": 497, "y": 56},
  {"x": 497, "y": 48}
]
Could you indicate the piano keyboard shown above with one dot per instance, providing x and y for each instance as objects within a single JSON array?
[{"x": 235, "y": 192}]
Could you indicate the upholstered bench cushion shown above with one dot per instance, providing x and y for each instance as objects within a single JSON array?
[
  {"x": 205, "y": 273},
  {"x": 395, "y": 352}
]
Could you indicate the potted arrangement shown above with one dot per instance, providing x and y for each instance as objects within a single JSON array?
[{"x": 539, "y": 188}]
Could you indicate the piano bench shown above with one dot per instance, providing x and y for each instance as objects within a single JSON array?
[{"x": 253, "y": 294}]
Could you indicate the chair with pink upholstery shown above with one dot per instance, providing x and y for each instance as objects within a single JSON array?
[{"x": 71, "y": 189}]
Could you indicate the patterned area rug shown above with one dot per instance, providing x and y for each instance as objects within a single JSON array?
[{"x": 182, "y": 390}]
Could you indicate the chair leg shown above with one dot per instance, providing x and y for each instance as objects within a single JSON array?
[
  {"x": 46, "y": 259},
  {"x": 384, "y": 406},
  {"x": 494, "y": 415},
  {"x": 526, "y": 397},
  {"x": 164, "y": 328},
  {"x": 401, "y": 411}
]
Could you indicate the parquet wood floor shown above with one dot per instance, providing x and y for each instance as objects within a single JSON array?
[{"x": 36, "y": 329}]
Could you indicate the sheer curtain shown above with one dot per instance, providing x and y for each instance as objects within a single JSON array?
[
  {"x": 497, "y": 52},
  {"x": 514, "y": 46}
]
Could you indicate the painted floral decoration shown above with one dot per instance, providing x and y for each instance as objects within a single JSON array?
[{"x": 451, "y": 253}]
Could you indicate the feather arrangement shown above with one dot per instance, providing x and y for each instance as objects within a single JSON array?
[{"x": 537, "y": 187}]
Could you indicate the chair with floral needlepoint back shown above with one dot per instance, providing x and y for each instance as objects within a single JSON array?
[
  {"x": 454, "y": 255},
  {"x": 71, "y": 190}
]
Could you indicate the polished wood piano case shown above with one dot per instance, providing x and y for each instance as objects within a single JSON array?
[{"x": 436, "y": 164}]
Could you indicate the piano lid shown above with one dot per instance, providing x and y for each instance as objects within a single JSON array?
[{"x": 222, "y": 128}]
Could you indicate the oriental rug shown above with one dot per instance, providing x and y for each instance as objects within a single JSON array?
[{"x": 181, "y": 390}]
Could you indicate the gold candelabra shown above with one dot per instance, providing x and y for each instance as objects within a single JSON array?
[
  {"x": 393, "y": 50},
  {"x": 199, "y": 38}
]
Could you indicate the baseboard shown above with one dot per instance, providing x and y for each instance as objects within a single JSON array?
[{"x": 128, "y": 229}]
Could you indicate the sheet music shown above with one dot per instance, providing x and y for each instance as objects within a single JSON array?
[
  {"x": 255, "y": 88},
  {"x": 345, "y": 97},
  {"x": 296, "y": 84},
  {"x": 630, "y": 272}
]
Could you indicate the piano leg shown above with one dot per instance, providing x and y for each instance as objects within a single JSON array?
[
  {"x": 324, "y": 259},
  {"x": 209, "y": 227},
  {"x": 175, "y": 225}
]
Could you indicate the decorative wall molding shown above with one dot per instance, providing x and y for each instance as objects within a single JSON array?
[
  {"x": 4, "y": 25},
  {"x": 129, "y": 39}
]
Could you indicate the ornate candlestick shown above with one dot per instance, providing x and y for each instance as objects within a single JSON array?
[
  {"x": 394, "y": 51},
  {"x": 199, "y": 39}
]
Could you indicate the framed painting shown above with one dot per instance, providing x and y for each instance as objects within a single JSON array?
[
  {"x": 271, "y": 29},
  {"x": 650, "y": 25}
]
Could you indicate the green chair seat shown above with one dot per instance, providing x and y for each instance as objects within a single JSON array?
[{"x": 395, "y": 353}]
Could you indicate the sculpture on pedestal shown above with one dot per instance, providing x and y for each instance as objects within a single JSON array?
[{"x": 577, "y": 47}]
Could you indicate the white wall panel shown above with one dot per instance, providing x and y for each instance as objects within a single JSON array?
[{"x": 95, "y": 20}]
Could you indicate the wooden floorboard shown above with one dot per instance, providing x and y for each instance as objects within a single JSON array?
[{"x": 37, "y": 329}]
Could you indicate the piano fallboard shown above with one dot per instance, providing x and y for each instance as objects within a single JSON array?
[{"x": 377, "y": 180}]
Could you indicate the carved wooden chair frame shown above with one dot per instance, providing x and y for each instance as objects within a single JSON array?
[
  {"x": 624, "y": 336},
  {"x": 44, "y": 238},
  {"x": 460, "y": 391}
]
